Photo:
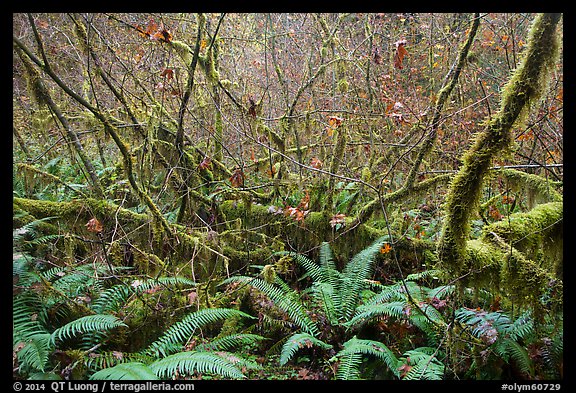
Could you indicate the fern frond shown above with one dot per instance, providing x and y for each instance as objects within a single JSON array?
[
  {"x": 125, "y": 371},
  {"x": 87, "y": 324},
  {"x": 28, "y": 316},
  {"x": 441, "y": 292},
  {"x": 184, "y": 329},
  {"x": 108, "y": 359},
  {"x": 424, "y": 275},
  {"x": 372, "y": 348},
  {"x": 519, "y": 355},
  {"x": 30, "y": 230},
  {"x": 232, "y": 341},
  {"x": 356, "y": 271},
  {"x": 187, "y": 363},
  {"x": 35, "y": 354},
  {"x": 326, "y": 257},
  {"x": 111, "y": 299},
  {"x": 349, "y": 367},
  {"x": 299, "y": 341},
  {"x": 367, "y": 313},
  {"x": 522, "y": 327},
  {"x": 424, "y": 364},
  {"x": 283, "y": 300}
]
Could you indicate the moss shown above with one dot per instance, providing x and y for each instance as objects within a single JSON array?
[
  {"x": 537, "y": 233},
  {"x": 538, "y": 188},
  {"x": 183, "y": 50},
  {"x": 524, "y": 87},
  {"x": 343, "y": 85},
  {"x": 483, "y": 261}
]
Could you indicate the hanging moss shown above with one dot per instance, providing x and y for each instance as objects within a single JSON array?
[
  {"x": 537, "y": 233},
  {"x": 523, "y": 89},
  {"x": 538, "y": 188}
]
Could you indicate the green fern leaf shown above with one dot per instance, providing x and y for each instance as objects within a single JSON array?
[
  {"x": 285, "y": 301},
  {"x": 520, "y": 356},
  {"x": 35, "y": 354},
  {"x": 349, "y": 367},
  {"x": 125, "y": 371},
  {"x": 232, "y": 341},
  {"x": 184, "y": 329},
  {"x": 187, "y": 363},
  {"x": 367, "y": 313},
  {"x": 354, "y": 276},
  {"x": 424, "y": 365},
  {"x": 86, "y": 324},
  {"x": 372, "y": 348},
  {"x": 298, "y": 341}
]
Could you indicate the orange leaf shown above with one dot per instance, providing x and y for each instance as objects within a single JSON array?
[
  {"x": 94, "y": 225},
  {"x": 494, "y": 213},
  {"x": 400, "y": 53},
  {"x": 386, "y": 249},
  {"x": 162, "y": 36},
  {"x": 335, "y": 121},
  {"x": 304, "y": 202},
  {"x": 316, "y": 163},
  {"x": 237, "y": 178}
]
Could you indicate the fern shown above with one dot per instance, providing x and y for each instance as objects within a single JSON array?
[
  {"x": 35, "y": 353},
  {"x": 28, "y": 316},
  {"x": 108, "y": 359},
  {"x": 28, "y": 235},
  {"x": 125, "y": 371},
  {"x": 356, "y": 271},
  {"x": 353, "y": 350},
  {"x": 113, "y": 298},
  {"x": 422, "y": 364},
  {"x": 284, "y": 300},
  {"x": 368, "y": 312},
  {"x": 231, "y": 341},
  {"x": 184, "y": 329},
  {"x": 298, "y": 341},
  {"x": 187, "y": 363},
  {"x": 349, "y": 367},
  {"x": 87, "y": 324}
]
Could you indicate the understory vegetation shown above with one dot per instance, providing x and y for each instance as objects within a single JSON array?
[{"x": 287, "y": 196}]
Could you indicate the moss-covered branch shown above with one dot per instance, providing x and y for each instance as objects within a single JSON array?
[{"x": 524, "y": 88}]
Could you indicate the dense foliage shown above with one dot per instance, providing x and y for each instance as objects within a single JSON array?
[{"x": 288, "y": 196}]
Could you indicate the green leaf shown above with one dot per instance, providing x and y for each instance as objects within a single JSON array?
[
  {"x": 299, "y": 341},
  {"x": 126, "y": 371},
  {"x": 187, "y": 363},
  {"x": 86, "y": 324}
]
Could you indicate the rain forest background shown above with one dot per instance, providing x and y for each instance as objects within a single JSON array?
[{"x": 287, "y": 196}]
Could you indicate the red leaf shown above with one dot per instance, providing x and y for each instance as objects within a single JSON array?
[
  {"x": 304, "y": 202},
  {"x": 400, "y": 53},
  {"x": 168, "y": 73},
  {"x": 404, "y": 369}
]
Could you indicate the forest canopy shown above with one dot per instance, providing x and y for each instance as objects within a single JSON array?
[{"x": 287, "y": 196}]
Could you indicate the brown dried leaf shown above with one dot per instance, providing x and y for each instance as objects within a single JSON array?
[
  {"x": 94, "y": 225},
  {"x": 400, "y": 53}
]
